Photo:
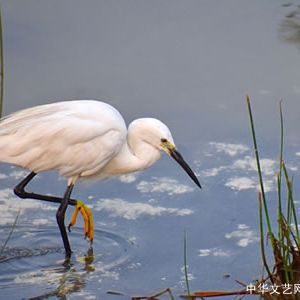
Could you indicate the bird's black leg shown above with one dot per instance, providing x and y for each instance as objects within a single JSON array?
[
  {"x": 19, "y": 190},
  {"x": 60, "y": 217}
]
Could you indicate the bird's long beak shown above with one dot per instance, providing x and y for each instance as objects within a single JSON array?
[{"x": 178, "y": 157}]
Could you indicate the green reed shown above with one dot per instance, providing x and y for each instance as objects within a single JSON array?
[{"x": 285, "y": 243}]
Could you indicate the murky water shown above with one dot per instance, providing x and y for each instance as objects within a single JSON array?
[{"x": 190, "y": 64}]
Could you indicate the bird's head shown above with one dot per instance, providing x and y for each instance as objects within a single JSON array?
[{"x": 158, "y": 135}]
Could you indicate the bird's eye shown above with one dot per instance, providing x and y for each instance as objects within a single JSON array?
[{"x": 163, "y": 140}]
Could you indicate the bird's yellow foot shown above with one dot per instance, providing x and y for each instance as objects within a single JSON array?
[{"x": 87, "y": 217}]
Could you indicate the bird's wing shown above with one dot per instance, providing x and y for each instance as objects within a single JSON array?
[{"x": 74, "y": 137}]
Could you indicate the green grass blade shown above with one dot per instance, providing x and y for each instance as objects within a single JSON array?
[
  {"x": 279, "y": 177},
  {"x": 270, "y": 232},
  {"x": 291, "y": 201},
  {"x": 185, "y": 264},
  {"x": 10, "y": 233},
  {"x": 261, "y": 230},
  {"x": 280, "y": 215}
]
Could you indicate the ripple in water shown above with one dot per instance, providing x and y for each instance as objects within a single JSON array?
[{"x": 34, "y": 262}]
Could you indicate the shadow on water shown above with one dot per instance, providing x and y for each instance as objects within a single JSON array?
[{"x": 38, "y": 265}]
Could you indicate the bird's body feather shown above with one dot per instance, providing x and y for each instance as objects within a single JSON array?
[{"x": 77, "y": 138}]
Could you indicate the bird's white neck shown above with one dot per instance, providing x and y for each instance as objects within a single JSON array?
[{"x": 135, "y": 155}]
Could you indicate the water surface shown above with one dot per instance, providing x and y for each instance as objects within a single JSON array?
[{"x": 190, "y": 64}]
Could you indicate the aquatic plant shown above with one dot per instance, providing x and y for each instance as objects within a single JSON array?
[{"x": 285, "y": 240}]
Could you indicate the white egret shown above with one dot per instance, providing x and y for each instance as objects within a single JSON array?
[{"x": 81, "y": 139}]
